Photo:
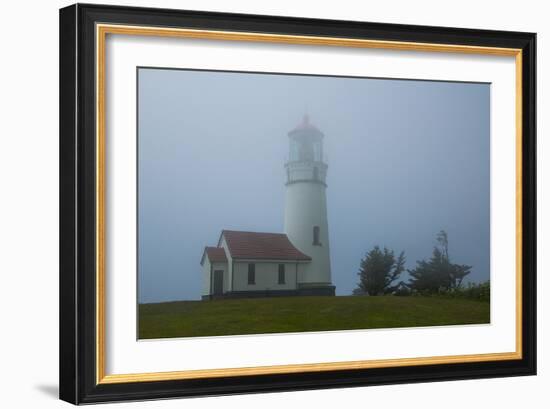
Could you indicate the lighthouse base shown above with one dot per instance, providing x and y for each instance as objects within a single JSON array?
[{"x": 312, "y": 289}]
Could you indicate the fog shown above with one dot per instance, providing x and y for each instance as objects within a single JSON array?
[{"x": 406, "y": 159}]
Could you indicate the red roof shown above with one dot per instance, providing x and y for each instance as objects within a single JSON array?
[
  {"x": 305, "y": 125},
  {"x": 216, "y": 254},
  {"x": 262, "y": 246}
]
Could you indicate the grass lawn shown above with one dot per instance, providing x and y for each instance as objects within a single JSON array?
[{"x": 298, "y": 314}]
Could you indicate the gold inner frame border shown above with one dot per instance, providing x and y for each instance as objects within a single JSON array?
[{"x": 102, "y": 30}]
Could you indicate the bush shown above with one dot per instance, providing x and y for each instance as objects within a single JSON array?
[
  {"x": 475, "y": 291},
  {"x": 471, "y": 291}
]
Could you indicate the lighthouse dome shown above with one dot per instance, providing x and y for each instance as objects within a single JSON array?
[
  {"x": 306, "y": 142},
  {"x": 305, "y": 127}
]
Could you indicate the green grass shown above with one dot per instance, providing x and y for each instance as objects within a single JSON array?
[{"x": 298, "y": 314}]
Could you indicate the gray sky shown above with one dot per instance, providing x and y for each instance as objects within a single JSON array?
[{"x": 406, "y": 159}]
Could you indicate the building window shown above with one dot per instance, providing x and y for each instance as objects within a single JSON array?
[
  {"x": 315, "y": 173},
  {"x": 281, "y": 273},
  {"x": 252, "y": 274},
  {"x": 316, "y": 237},
  {"x": 317, "y": 151}
]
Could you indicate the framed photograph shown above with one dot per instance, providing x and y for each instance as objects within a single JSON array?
[{"x": 257, "y": 203}]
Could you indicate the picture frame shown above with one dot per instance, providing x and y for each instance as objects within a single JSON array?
[{"x": 83, "y": 214}]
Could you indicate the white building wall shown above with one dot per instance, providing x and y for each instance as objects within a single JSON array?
[
  {"x": 229, "y": 269},
  {"x": 208, "y": 273},
  {"x": 306, "y": 207},
  {"x": 267, "y": 276},
  {"x": 206, "y": 276},
  {"x": 223, "y": 267}
]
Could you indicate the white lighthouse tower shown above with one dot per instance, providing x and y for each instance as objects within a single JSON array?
[{"x": 306, "y": 223}]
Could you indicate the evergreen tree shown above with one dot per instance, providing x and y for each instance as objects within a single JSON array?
[
  {"x": 378, "y": 271},
  {"x": 438, "y": 274}
]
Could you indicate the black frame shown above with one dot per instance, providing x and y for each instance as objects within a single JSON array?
[{"x": 77, "y": 204}]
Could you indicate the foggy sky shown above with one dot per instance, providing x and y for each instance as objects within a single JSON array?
[{"x": 406, "y": 159}]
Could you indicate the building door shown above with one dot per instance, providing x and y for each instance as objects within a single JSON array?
[{"x": 218, "y": 282}]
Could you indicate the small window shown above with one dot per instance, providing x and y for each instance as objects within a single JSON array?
[
  {"x": 252, "y": 274},
  {"x": 315, "y": 173},
  {"x": 316, "y": 238},
  {"x": 281, "y": 273}
]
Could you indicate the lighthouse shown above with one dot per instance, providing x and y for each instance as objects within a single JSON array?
[
  {"x": 293, "y": 263},
  {"x": 305, "y": 219}
]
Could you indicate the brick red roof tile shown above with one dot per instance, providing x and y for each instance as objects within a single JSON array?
[
  {"x": 305, "y": 125},
  {"x": 216, "y": 254},
  {"x": 262, "y": 246}
]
